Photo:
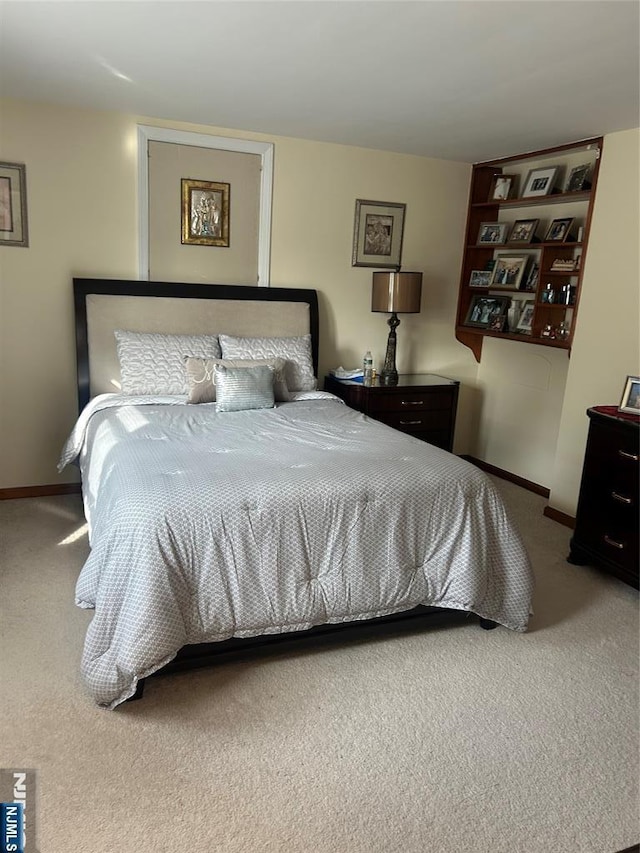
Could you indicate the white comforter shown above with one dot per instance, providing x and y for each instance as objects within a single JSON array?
[{"x": 208, "y": 525}]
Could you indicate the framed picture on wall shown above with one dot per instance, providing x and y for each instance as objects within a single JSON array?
[
  {"x": 205, "y": 213},
  {"x": 377, "y": 234},
  {"x": 13, "y": 205}
]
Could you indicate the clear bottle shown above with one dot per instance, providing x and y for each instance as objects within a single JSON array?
[{"x": 367, "y": 367}]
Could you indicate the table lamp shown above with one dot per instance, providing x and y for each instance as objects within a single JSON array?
[{"x": 395, "y": 292}]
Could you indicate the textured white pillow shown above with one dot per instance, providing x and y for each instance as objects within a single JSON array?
[
  {"x": 153, "y": 363},
  {"x": 296, "y": 352},
  {"x": 201, "y": 375},
  {"x": 241, "y": 388}
]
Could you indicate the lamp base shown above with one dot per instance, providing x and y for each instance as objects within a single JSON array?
[{"x": 389, "y": 374}]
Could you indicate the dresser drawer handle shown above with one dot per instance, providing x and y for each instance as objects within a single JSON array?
[
  {"x": 633, "y": 456},
  {"x": 412, "y": 402},
  {"x": 410, "y": 423},
  {"x": 621, "y": 498},
  {"x": 613, "y": 543}
]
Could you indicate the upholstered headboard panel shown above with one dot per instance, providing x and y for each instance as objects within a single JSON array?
[{"x": 102, "y": 306}]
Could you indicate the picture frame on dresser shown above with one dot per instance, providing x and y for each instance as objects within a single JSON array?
[{"x": 630, "y": 400}]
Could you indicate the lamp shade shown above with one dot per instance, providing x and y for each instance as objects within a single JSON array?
[{"x": 396, "y": 292}]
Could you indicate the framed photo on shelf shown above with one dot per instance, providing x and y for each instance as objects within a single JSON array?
[
  {"x": 559, "y": 230},
  {"x": 630, "y": 402},
  {"x": 525, "y": 323},
  {"x": 13, "y": 205},
  {"x": 485, "y": 309},
  {"x": 502, "y": 187},
  {"x": 509, "y": 271},
  {"x": 578, "y": 178},
  {"x": 377, "y": 234},
  {"x": 480, "y": 278},
  {"x": 531, "y": 280},
  {"x": 539, "y": 182},
  {"x": 205, "y": 213},
  {"x": 523, "y": 231},
  {"x": 493, "y": 232}
]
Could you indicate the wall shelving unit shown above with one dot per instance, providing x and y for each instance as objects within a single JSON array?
[{"x": 552, "y": 324}]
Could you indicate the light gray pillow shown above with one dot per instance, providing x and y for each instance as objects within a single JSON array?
[
  {"x": 296, "y": 352},
  {"x": 242, "y": 388},
  {"x": 201, "y": 376},
  {"x": 153, "y": 363}
]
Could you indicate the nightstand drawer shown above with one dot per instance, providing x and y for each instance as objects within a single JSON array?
[
  {"x": 417, "y": 420},
  {"x": 411, "y": 402}
]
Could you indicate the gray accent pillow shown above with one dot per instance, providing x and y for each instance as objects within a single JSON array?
[
  {"x": 296, "y": 352},
  {"x": 201, "y": 376},
  {"x": 242, "y": 388},
  {"x": 153, "y": 363}
]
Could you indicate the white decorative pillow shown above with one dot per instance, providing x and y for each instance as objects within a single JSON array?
[
  {"x": 153, "y": 363},
  {"x": 242, "y": 388},
  {"x": 296, "y": 352},
  {"x": 201, "y": 376}
]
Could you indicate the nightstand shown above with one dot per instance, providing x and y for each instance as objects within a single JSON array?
[
  {"x": 606, "y": 532},
  {"x": 421, "y": 404}
]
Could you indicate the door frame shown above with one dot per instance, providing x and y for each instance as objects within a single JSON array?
[{"x": 148, "y": 133}]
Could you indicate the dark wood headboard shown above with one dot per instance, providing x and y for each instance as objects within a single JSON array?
[{"x": 84, "y": 288}]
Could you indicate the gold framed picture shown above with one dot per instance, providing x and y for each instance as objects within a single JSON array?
[
  {"x": 205, "y": 213},
  {"x": 13, "y": 205}
]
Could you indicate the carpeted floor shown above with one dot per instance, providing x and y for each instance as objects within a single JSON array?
[{"x": 452, "y": 739}]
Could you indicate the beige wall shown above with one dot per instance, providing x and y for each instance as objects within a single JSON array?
[
  {"x": 607, "y": 342},
  {"x": 514, "y": 412},
  {"x": 81, "y": 176}
]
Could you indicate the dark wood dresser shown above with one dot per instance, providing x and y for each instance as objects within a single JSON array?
[
  {"x": 606, "y": 532},
  {"x": 421, "y": 404}
]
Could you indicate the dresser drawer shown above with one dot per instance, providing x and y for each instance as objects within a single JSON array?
[
  {"x": 410, "y": 402},
  {"x": 417, "y": 420},
  {"x": 607, "y": 520}
]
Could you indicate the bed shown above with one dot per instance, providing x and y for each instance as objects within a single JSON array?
[{"x": 269, "y": 512}]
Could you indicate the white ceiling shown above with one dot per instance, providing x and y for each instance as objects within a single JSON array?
[{"x": 458, "y": 79}]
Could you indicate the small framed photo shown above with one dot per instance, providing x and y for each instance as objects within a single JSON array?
[
  {"x": 480, "y": 278},
  {"x": 509, "y": 271},
  {"x": 630, "y": 402},
  {"x": 579, "y": 178},
  {"x": 502, "y": 187},
  {"x": 525, "y": 323},
  {"x": 531, "y": 280},
  {"x": 377, "y": 234},
  {"x": 493, "y": 232},
  {"x": 205, "y": 213},
  {"x": 523, "y": 231},
  {"x": 539, "y": 182},
  {"x": 13, "y": 205},
  {"x": 485, "y": 309},
  {"x": 559, "y": 231}
]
